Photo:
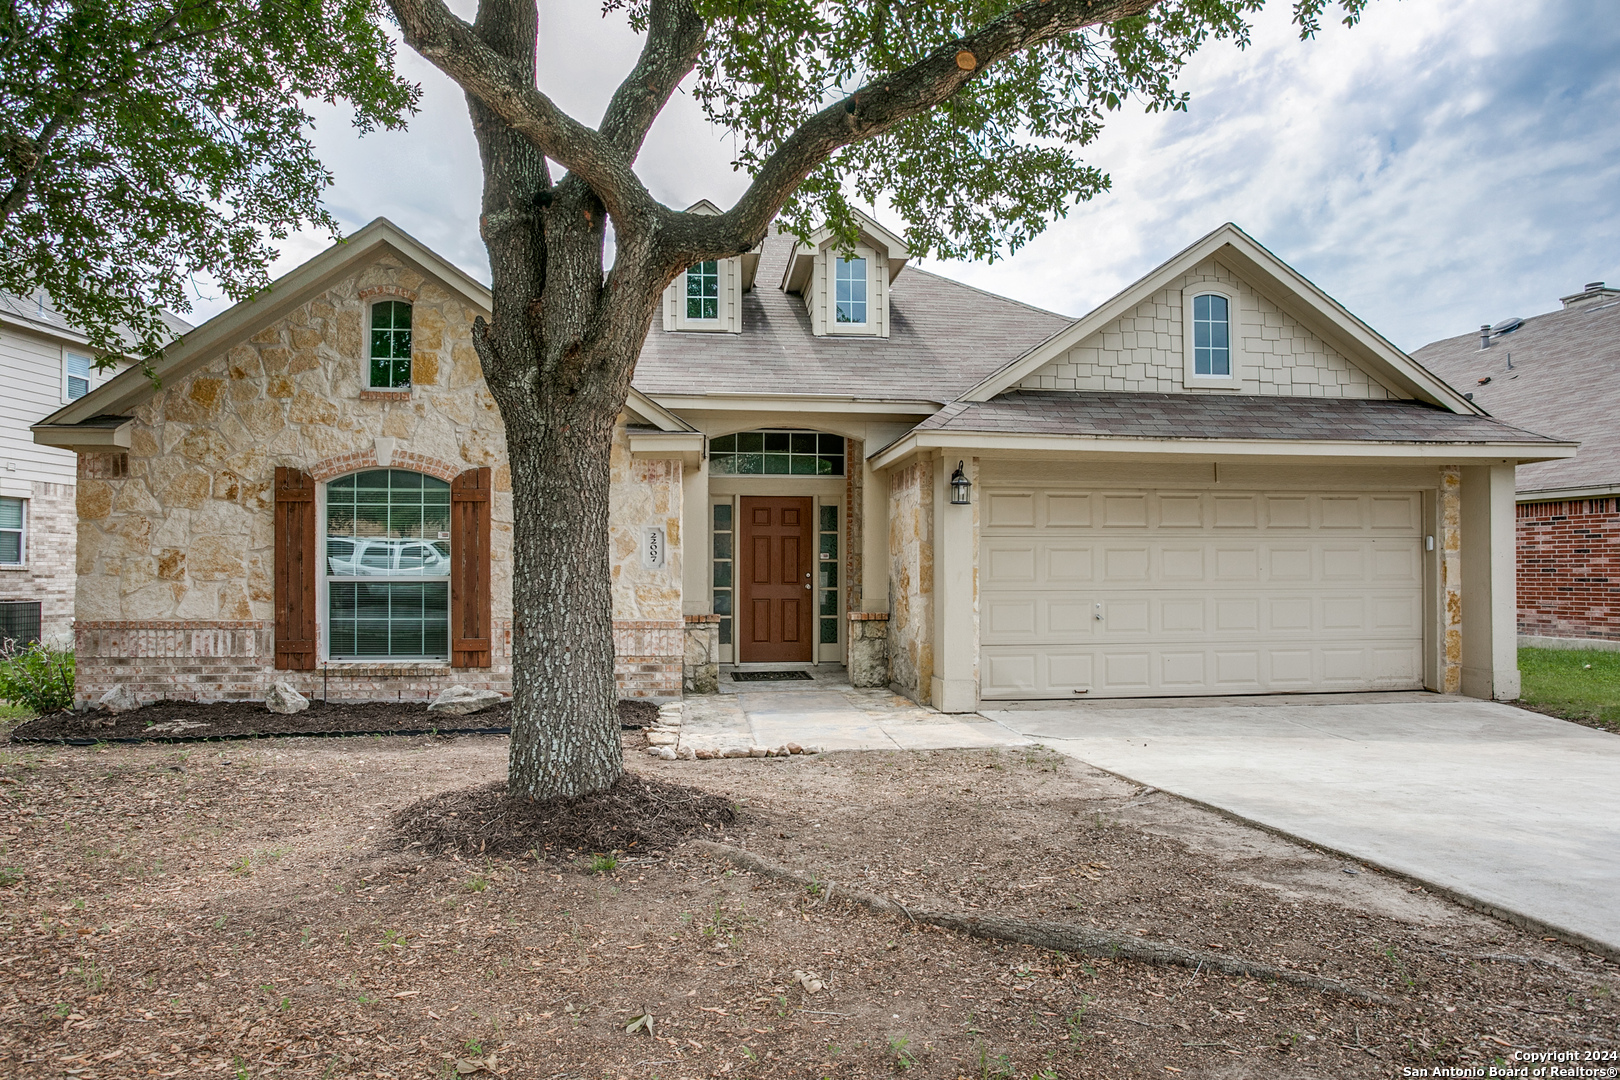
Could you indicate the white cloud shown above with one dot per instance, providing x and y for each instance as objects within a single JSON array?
[{"x": 1444, "y": 164}]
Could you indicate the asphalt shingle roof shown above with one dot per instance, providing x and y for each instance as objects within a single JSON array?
[
  {"x": 40, "y": 311},
  {"x": 1565, "y": 381},
  {"x": 1212, "y": 416},
  {"x": 944, "y": 337}
]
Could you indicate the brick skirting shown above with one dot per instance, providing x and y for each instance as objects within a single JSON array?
[
  {"x": 1569, "y": 568},
  {"x": 235, "y": 661}
]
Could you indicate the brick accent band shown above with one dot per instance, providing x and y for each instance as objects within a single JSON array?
[
  {"x": 691, "y": 619},
  {"x": 385, "y": 395},
  {"x": 868, "y": 616},
  {"x": 343, "y": 464}
]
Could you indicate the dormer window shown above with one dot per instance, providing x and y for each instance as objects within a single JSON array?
[
  {"x": 851, "y": 290},
  {"x": 1212, "y": 341},
  {"x": 1212, "y": 336},
  {"x": 708, "y": 296},
  {"x": 846, "y": 286},
  {"x": 703, "y": 292}
]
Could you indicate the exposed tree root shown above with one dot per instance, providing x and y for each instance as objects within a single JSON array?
[{"x": 1044, "y": 934}]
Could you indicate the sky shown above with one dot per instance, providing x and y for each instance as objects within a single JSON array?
[{"x": 1446, "y": 163}]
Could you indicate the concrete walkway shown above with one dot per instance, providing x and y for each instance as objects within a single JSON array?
[
  {"x": 826, "y": 712},
  {"x": 1516, "y": 811}
]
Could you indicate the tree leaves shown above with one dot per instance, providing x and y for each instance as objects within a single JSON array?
[{"x": 143, "y": 143}]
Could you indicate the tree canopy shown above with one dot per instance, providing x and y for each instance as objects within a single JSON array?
[{"x": 145, "y": 142}]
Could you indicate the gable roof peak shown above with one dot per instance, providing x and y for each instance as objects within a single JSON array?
[{"x": 1271, "y": 277}]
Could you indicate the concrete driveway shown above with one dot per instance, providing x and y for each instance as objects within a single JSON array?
[{"x": 1515, "y": 811}]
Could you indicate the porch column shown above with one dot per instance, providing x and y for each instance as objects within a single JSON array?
[
  {"x": 1490, "y": 640},
  {"x": 695, "y": 549},
  {"x": 955, "y": 686}
]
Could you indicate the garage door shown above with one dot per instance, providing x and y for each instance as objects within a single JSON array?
[{"x": 1148, "y": 593}]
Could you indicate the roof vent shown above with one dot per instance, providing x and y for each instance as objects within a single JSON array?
[
  {"x": 1485, "y": 336},
  {"x": 1593, "y": 286},
  {"x": 1507, "y": 326}
]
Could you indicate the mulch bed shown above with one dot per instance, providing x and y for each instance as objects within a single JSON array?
[
  {"x": 187, "y": 721},
  {"x": 639, "y": 815}
]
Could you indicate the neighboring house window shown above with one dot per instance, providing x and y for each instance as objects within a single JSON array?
[
  {"x": 850, "y": 281},
  {"x": 777, "y": 453},
  {"x": 78, "y": 376},
  {"x": 388, "y": 566},
  {"x": 1212, "y": 336},
  {"x": 19, "y": 621},
  {"x": 703, "y": 291},
  {"x": 12, "y": 548},
  {"x": 390, "y": 345}
]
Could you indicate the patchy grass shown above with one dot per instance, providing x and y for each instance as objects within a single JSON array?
[{"x": 1582, "y": 685}]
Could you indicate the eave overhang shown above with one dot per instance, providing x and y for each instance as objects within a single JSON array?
[
  {"x": 87, "y": 438},
  {"x": 1325, "y": 452}
]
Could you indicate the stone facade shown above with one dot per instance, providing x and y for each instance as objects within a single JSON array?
[
  {"x": 911, "y": 580},
  {"x": 702, "y": 674},
  {"x": 1569, "y": 569},
  {"x": 46, "y": 574},
  {"x": 868, "y": 648},
  {"x": 175, "y": 560},
  {"x": 1451, "y": 579},
  {"x": 1142, "y": 351}
]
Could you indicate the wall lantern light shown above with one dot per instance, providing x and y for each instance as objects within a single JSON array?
[{"x": 961, "y": 487}]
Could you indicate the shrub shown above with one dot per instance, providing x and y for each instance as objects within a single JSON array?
[{"x": 39, "y": 676}]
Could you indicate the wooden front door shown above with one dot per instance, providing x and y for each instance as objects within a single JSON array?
[{"x": 774, "y": 586}]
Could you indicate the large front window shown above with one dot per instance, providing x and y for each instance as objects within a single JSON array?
[
  {"x": 390, "y": 345},
  {"x": 388, "y": 566},
  {"x": 1212, "y": 341},
  {"x": 851, "y": 284},
  {"x": 703, "y": 291}
]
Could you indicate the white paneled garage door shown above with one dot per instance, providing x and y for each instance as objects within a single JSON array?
[{"x": 1149, "y": 593}]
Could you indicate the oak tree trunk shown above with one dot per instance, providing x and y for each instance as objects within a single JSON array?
[{"x": 557, "y": 355}]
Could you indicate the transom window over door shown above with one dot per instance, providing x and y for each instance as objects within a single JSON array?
[
  {"x": 777, "y": 453},
  {"x": 703, "y": 291},
  {"x": 390, "y": 345},
  {"x": 387, "y": 566},
  {"x": 1212, "y": 336},
  {"x": 850, "y": 282}
]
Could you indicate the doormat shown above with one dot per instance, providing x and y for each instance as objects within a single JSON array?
[{"x": 769, "y": 676}]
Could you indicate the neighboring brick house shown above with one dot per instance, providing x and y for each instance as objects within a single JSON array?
[
  {"x": 1551, "y": 374},
  {"x": 1217, "y": 482},
  {"x": 46, "y": 365}
]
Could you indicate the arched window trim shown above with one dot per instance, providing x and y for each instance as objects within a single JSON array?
[{"x": 1191, "y": 378}]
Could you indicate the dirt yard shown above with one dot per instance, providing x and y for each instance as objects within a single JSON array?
[{"x": 244, "y": 909}]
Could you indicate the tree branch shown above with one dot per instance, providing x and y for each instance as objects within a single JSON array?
[
  {"x": 452, "y": 46},
  {"x": 878, "y": 106},
  {"x": 675, "y": 36}
]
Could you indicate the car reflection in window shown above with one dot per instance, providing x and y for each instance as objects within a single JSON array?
[{"x": 386, "y": 558}]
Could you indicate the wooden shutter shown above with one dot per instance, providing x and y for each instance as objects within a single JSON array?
[
  {"x": 295, "y": 570},
  {"x": 470, "y": 641}
]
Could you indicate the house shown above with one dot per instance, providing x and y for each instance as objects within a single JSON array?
[
  {"x": 1217, "y": 482},
  {"x": 1549, "y": 373},
  {"x": 47, "y": 365}
]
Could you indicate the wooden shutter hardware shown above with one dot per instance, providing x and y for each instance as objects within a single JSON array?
[
  {"x": 471, "y": 643},
  {"x": 295, "y": 570}
]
